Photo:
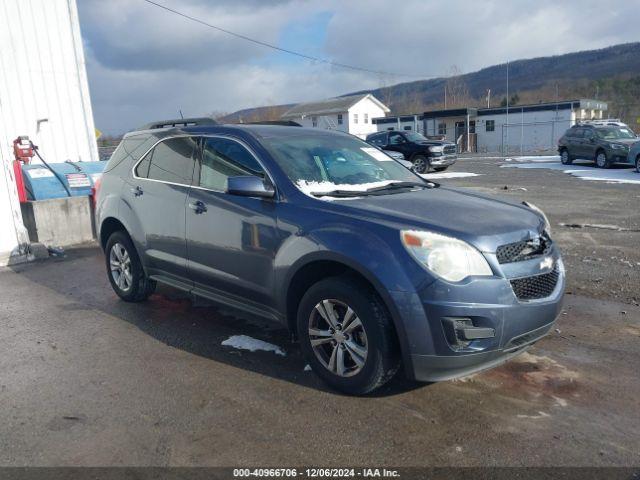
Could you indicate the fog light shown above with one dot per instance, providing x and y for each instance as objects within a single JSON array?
[{"x": 460, "y": 332}]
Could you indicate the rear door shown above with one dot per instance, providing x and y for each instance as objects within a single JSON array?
[
  {"x": 231, "y": 240},
  {"x": 157, "y": 194}
]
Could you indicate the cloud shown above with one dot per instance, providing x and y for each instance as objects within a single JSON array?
[{"x": 145, "y": 63}]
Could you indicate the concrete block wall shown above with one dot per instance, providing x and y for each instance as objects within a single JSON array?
[{"x": 59, "y": 221}]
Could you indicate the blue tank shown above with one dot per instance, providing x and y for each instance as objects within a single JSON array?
[{"x": 42, "y": 184}]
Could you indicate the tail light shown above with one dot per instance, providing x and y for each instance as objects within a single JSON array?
[{"x": 95, "y": 189}]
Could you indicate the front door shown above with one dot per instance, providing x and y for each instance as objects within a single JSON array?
[
  {"x": 231, "y": 240},
  {"x": 398, "y": 143},
  {"x": 157, "y": 195}
]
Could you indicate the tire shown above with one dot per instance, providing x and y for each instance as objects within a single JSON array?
[
  {"x": 565, "y": 158},
  {"x": 421, "y": 164},
  {"x": 133, "y": 286},
  {"x": 367, "y": 344},
  {"x": 638, "y": 164},
  {"x": 601, "y": 159}
]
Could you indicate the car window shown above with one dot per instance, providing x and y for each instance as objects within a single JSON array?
[
  {"x": 223, "y": 158},
  {"x": 577, "y": 132},
  {"x": 395, "y": 139},
  {"x": 171, "y": 160},
  {"x": 378, "y": 139},
  {"x": 334, "y": 160},
  {"x": 615, "y": 133}
]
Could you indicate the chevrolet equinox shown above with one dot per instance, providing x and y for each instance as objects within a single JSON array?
[{"x": 370, "y": 266}]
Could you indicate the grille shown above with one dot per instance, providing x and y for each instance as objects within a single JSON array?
[
  {"x": 449, "y": 149},
  {"x": 524, "y": 250},
  {"x": 535, "y": 287}
]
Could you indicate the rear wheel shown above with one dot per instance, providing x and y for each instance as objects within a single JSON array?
[
  {"x": 601, "y": 159},
  {"x": 346, "y": 335},
  {"x": 421, "y": 164},
  {"x": 125, "y": 271},
  {"x": 638, "y": 164},
  {"x": 565, "y": 158}
]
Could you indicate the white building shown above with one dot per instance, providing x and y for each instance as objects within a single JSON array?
[
  {"x": 524, "y": 128},
  {"x": 43, "y": 94},
  {"x": 352, "y": 114}
]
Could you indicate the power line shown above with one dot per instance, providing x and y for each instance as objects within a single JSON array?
[{"x": 284, "y": 50}]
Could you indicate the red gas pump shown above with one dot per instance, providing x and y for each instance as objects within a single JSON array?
[{"x": 23, "y": 152}]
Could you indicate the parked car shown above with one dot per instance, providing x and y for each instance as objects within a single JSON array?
[
  {"x": 634, "y": 155},
  {"x": 423, "y": 153},
  {"x": 606, "y": 144},
  {"x": 368, "y": 265}
]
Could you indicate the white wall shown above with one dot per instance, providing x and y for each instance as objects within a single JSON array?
[
  {"x": 42, "y": 76},
  {"x": 324, "y": 122},
  {"x": 530, "y": 132},
  {"x": 372, "y": 110}
]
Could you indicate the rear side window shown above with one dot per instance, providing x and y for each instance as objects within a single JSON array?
[
  {"x": 131, "y": 147},
  {"x": 379, "y": 139},
  {"x": 223, "y": 158},
  {"x": 171, "y": 160}
]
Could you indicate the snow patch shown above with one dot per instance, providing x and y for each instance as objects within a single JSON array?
[
  {"x": 436, "y": 176},
  {"x": 244, "y": 342},
  {"x": 534, "y": 159},
  {"x": 584, "y": 172},
  {"x": 535, "y": 417},
  {"x": 324, "y": 187}
]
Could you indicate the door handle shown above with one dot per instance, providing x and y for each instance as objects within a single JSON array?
[
  {"x": 198, "y": 207},
  {"x": 137, "y": 191}
]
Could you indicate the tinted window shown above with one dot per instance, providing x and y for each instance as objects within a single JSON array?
[
  {"x": 171, "y": 160},
  {"x": 378, "y": 139},
  {"x": 395, "y": 139},
  {"x": 223, "y": 158},
  {"x": 133, "y": 146},
  {"x": 576, "y": 132}
]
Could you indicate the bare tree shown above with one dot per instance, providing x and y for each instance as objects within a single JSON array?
[{"x": 456, "y": 90}]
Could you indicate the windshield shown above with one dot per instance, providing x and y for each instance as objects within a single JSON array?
[
  {"x": 415, "y": 137},
  {"x": 335, "y": 162},
  {"x": 615, "y": 133}
]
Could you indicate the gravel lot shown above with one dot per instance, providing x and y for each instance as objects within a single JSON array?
[{"x": 86, "y": 379}]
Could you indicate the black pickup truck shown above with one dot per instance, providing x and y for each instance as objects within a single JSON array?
[{"x": 425, "y": 154}]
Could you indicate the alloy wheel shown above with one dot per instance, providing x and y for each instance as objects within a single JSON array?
[
  {"x": 420, "y": 165},
  {"x": 564, "y": 157},
  {"x": 120, "y": 265},
  {"x": 338, "y": 338},
  {"x": 601, "y": 160}
]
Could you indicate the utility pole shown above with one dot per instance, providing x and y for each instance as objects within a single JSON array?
[
  {"x": 507, "y": 127},
  {"x": 489, "y": 98}
]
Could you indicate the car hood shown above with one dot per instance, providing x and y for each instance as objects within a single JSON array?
[
  {"x": 483, "y": 221},
  {"x": 434, "y": 142}
]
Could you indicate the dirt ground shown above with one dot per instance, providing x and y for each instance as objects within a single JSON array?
[{"x": 86, "y": 379}]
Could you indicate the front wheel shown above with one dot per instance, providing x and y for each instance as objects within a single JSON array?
[
  {"x": 601, "y": 159},
  {"x": 638, "y": 164},
  {"x": 126, "y": 275},
  {"x": 421, "y": 164},
  {"x": 347, "y": 336}
]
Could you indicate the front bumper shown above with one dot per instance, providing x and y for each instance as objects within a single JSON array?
[
  {"x": 443, "y": 161},
  {"x": 491, "y": 305}
]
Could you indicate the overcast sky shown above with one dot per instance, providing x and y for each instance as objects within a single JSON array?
[{"x": 145, "y": 63}]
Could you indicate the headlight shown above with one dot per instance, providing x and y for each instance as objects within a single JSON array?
[
  {"x": 547, "y": 224},
  {"x": 447, "y": 257},
  {"x": 617, "y": 146},
  {"x": 434, "y": 149}
]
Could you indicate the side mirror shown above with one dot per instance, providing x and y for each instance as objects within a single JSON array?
[{"x": 250, "y": 186}]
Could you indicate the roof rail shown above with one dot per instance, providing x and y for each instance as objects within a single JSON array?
[
  {"x": 603, "y": 122},
  {"x": 178, "y": 122},
  {"x": 284, "y": 123}
]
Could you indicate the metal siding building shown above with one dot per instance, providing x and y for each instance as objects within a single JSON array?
[{"x": 43, "y": 94}]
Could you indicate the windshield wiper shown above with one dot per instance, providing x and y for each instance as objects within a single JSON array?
[
  {"x": 396, "y": 185},
  {"x": 340, "y": 193}
]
